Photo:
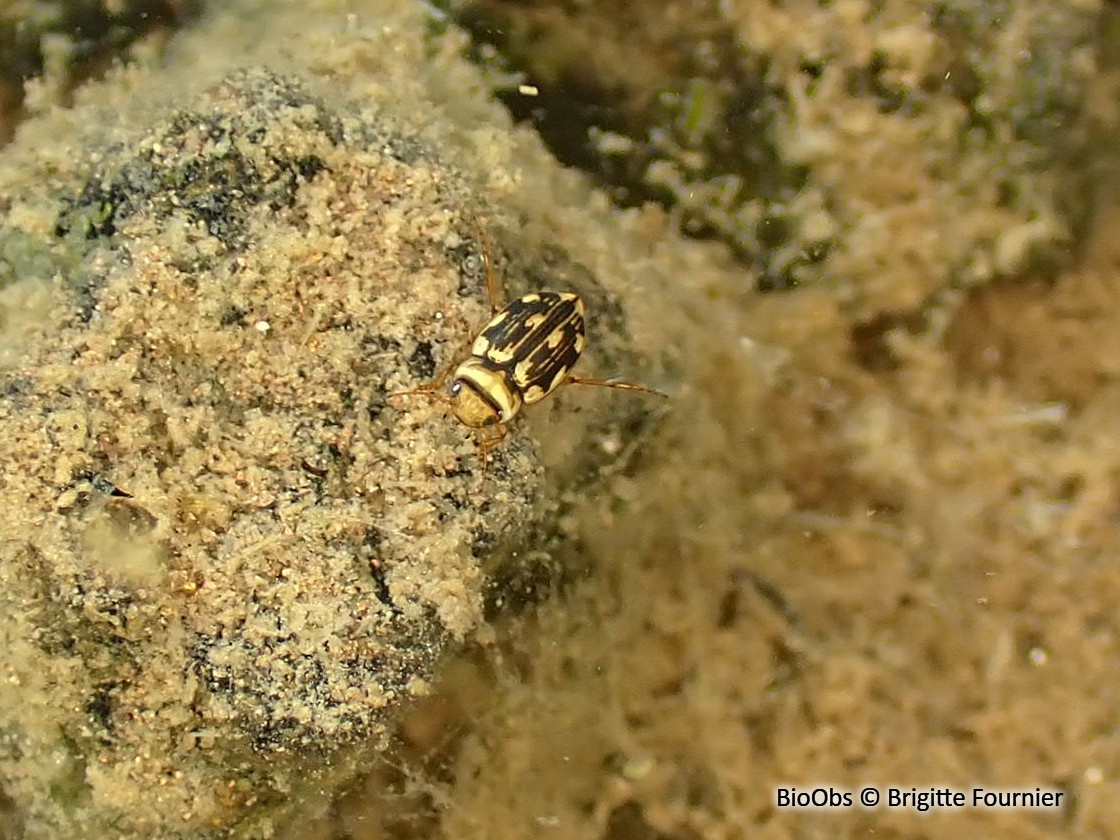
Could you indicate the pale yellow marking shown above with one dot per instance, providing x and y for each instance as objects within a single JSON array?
[
  {"x": 580, "y": 343},
  {"x": 534, "y": 394},
  {"x": 554, "y": 340},
  {"x": 497, "y": 355},
  {"x": 521, "y": 372},
  {"x": 480, "y": 346},
  {"x": 560, "y": 376}
]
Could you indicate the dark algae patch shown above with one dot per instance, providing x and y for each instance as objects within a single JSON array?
[{"x": 209, "y": 169}]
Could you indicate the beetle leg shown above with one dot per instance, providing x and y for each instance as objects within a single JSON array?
[
  {"x": 491, "y": 280},
  {"x": 487, "y": 444},
  {"x": 615, "y": 383},
  {"x": 433, "y": 387}
]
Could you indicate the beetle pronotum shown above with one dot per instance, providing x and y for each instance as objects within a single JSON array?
[{"x": 525, "y": 352}]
